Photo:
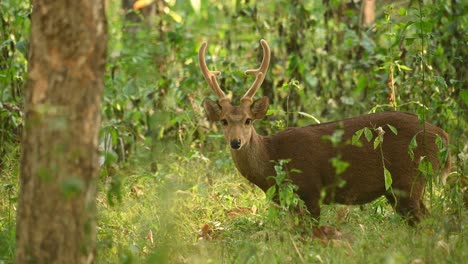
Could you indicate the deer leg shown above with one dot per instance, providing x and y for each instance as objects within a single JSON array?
[
  {"x": 314, "y": 209},
  {"x": 412, "y": 209},
  {"x": 424, "y": 210}
]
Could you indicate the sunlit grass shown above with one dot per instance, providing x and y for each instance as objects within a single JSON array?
[{"x": 200, "y": 210}]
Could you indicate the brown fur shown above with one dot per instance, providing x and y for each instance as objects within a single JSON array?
[{"x": 309, "y": 153}]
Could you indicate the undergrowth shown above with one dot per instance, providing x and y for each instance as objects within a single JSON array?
[{"x": 198, "y": 209}]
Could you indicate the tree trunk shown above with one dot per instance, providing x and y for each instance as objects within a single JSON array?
[
  {"x": 367, "y": 13},
  {"x": 56, "y": 216}
]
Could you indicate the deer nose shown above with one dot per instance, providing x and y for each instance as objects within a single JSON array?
[{"x": 235, "y": 143}]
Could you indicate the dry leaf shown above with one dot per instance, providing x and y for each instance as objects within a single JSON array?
[
  {"x": 342, "y": 213},
  {"x": 205, "y": 232},
  {"x": 363, "y": 228},
  {"x": 239, "y": 211},
  {"x": 343, "y": 244},
  {"x": 444, "y": 245},
  {"x": 150, "y": 236},
  {"x": 137, "y": 190},
  {"x": 254, "y": 209},
  {"x": 141, "y": 3},
  {"x": 326, "y": 233}
]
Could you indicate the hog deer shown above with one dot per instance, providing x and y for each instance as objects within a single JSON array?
[{"x": 310, "y": 155}]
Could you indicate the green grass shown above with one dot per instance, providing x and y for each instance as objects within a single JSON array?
[
  {"x": 200, "y": 210},
  {"x": 8, "y": 200}
]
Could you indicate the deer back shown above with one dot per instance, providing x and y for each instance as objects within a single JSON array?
[{"x": 311, "y": 154}]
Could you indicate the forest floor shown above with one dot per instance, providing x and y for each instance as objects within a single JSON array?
[{"x": 196, "y": 209}]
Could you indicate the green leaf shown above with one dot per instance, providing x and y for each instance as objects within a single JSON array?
[
  {"x": 114, "y": 135},
  {"x": 439, "y": 142},
  {"x": 409, "y": 41},
  {"x": 443, "y": 153},
  {"x": 425, "y": 167},
  {"x": 114, "y": 193},
  {"x": 388, "y": 179},
  {"x": 368, "y": 134},
  {"x": 334, "y": 138},
  {"x": 361, "y": 84},
  {"x": 402, "y": 11},
  {"x": 110, "y": 157},
  {"x": 273, "y": 214},
  {"x": 440, "y": 82},
  {"x": 272, "y": 112},
  {"x": 270, "y": 193},
  {"x": 393, "y": 129},
  {"x": 404, "y": 67},
  {"x": 196, "y": 4},
  {"x": 339, "y": 165},
  {"x": 377, "y": 142},
  {"x": 464, "y": 96},
  {"x": 356, "y": 137},
  {"x": 412, "y": 145},
  {"x": 22, "y": 46},
  {"x": 425, "y": 26},
  {"x": 295, "y": 170},
  {"x": 280, "y": 176}
]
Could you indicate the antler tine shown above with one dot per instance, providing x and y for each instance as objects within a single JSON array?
[
  {"x": 259, "y": 73},
  {"x": 210, "y": 76}
]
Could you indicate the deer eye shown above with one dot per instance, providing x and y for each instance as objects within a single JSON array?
[
  {"x": 248, "y": 121},
  {"x": 224, "y": 122}
]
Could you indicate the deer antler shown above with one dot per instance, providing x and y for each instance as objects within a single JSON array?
[
  {"x": 210, "y": 76},
  {"x": 259, "y": 73}
]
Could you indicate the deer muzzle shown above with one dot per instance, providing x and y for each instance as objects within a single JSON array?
[{"x": 235, "y": 144}]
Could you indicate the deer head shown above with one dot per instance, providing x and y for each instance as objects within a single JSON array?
[{"x": 236, "y": 120}]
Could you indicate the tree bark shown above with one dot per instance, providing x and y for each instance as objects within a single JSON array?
[
  {"x": 56, "y": 214},
  {"x": 367, "y": 13}
]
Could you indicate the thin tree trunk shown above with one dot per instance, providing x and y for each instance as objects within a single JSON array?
[
  {"x": 367, "y": 13},
  {"x": 59, "y": 168}
]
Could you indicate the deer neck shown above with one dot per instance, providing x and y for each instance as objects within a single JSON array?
[{"x": 254, "y": 161}]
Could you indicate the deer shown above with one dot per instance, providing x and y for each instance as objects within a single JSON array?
[{"x": 310, "y": 155}]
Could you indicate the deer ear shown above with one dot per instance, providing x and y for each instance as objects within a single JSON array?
[
  {"x": 260, "y": 107},
  {"x": 212, "y": 109}
]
